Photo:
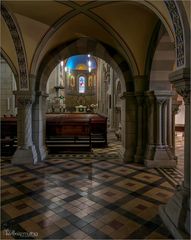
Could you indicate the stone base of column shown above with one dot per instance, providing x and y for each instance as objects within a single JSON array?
[
  {"x": 162, "y": 158},
  {"x": 176, "y": 215},
  {"x": 126, "y": 156},
  {"x": 41, "y": 152},
  {"x": 25, "y": 156}
]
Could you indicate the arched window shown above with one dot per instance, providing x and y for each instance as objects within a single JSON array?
[{"x": 82, "y": 84}]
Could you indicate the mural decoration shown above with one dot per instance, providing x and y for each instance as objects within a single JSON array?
[
  {"x": 90, "y": 81},
  {"x": 80, "y": 72},
  {"x": 72, "y": 81}
]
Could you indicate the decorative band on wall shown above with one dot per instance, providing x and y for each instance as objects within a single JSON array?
[
  {"x": 18, "y": 43},
  {"x": 177, "y": 24}
]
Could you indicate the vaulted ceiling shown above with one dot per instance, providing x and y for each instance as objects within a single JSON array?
[{"x": 127, "y": 26}]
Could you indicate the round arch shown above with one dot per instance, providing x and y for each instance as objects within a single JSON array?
[{"x": 84, "y": 46}]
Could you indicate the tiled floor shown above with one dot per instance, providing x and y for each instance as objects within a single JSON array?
[{"x": 83, "y": 196}]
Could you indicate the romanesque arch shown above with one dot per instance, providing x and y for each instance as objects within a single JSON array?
[
  {"x": 83, "y": 46},
  {"x": 80, "y": 46}
]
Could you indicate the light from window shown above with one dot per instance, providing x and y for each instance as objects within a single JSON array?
[{"x": 82, "y": 83}]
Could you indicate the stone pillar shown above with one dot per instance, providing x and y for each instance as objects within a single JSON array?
[
  {"x": 150, "y": 148},
  {"x": 169, "y": 124},
  {"x": 112, "y": 110},
  {"x": 26, "y": 151},
  {"x": 162, "y": 154},
  {"x": 140, "y": 128},
  {"x": 176, "y": 213},
  {"x": 128, "y": 124},
  {"x": 39, "y": 125},
  {"x": 175, "y": 108}
]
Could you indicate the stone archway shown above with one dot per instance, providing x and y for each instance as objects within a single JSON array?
[
  {"x": 83, "y": 46},
  {"x": 80, "y": 46}
]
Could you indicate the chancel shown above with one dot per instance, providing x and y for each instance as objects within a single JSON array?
[
  {"x": 95, "y": 119},
  {"x": 75, "y": 82}
]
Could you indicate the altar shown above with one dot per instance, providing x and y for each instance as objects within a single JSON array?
[{"x": 81, "y": 108}]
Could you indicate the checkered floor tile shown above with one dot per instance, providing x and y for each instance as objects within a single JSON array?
[{"x": 83, "y": 196}]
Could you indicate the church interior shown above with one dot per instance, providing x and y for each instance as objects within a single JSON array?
[{"x": 95, "y": 119}]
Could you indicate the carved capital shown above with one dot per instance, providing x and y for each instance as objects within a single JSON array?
[
  {"x": 185, "y": 93},
  {"x": 162, "y": 97},
  {"x": 181, "y": 80},
  {"x": 175, "y": 108},
  {"x": 161, "y": 100},
  {"x": 24, "y": 98}
]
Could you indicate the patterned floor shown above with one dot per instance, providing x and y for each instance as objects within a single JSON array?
[{"x": 83, "y": 196}]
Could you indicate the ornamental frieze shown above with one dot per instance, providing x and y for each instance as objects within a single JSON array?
[
  {"x": 24, "y": 83},
  {"x": 173, "y": 11}
]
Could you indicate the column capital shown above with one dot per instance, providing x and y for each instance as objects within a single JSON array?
[
  {"x": 24, "y": 97},
  {"x": 162, "y": 96},
  {"x": 175, "y": 106},
  {"x": 181, "y": 80}
]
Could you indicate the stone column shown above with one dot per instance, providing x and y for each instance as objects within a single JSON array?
[
  {"x": 175, "y": 108},
  {"x": 39, "y": 125},
  {"x": 169, "y": 124},
  {"x": 112, "y": 110},
  {"x": 140, "y": 120},
  {"x": 26, "y": 151},
  {"x": 150, "y": 148},
  {"x": 164, "y": 123},
  {"x": 162, "y": 153},
  {"x": 176, "y": 213},
  {"x": 128, "y": 124}
]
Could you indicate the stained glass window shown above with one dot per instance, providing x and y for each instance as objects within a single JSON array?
[{"x": 82, "y": 84}]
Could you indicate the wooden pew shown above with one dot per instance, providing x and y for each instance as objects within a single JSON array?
[
  {"x": 67, "y": 131},
  {"x": 8, "y": 138},
  {"x": 98, "y": 126},
  {"x": 66, "y": 135}
]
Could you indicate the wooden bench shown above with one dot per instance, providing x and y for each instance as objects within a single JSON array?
[
  {"x": 69, "y": 131},
  {"x": 8, "y": 139},
  {"x": 68, "y": 135},
  {"x": 98, "y": 126}
]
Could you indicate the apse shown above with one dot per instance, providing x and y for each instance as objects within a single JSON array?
[{"x": 72, "y": 86}]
